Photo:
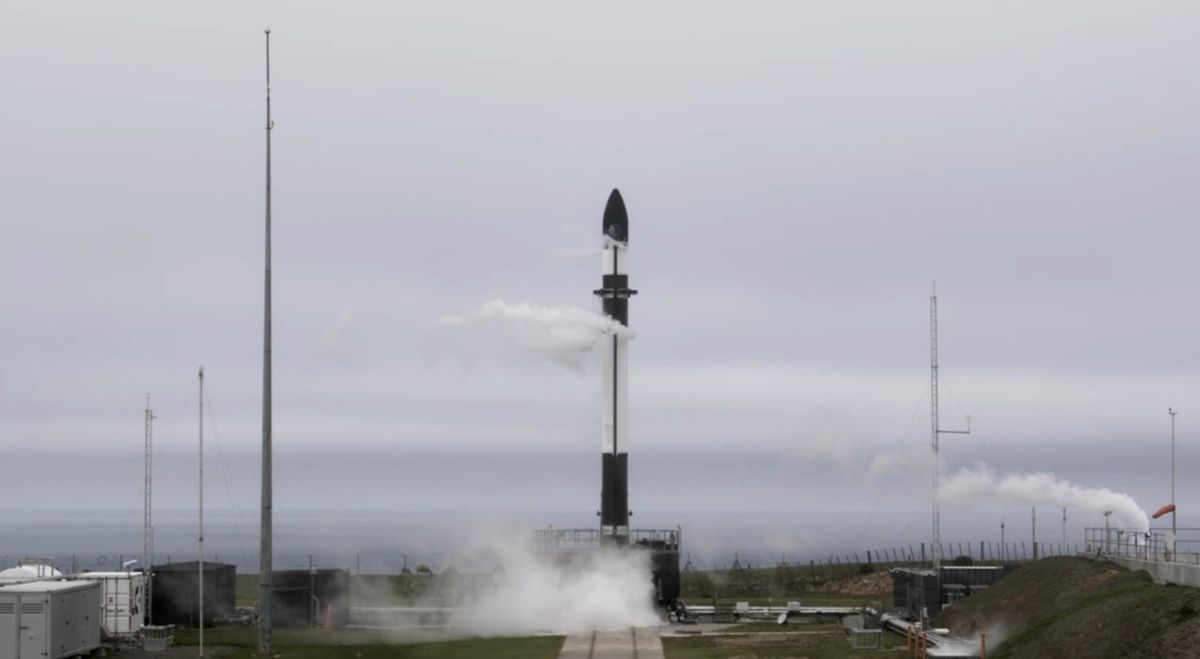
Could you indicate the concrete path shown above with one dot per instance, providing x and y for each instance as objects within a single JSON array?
[{"x": 629, "y": 643}]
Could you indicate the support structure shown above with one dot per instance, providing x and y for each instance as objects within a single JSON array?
[
  {"x": 200, "y": 548},
  {"x": 265, "y": 532},
  {"x": 1172, "y": 411},
  {"x": 935, "y": 430},
  {"x": 147, "y": 515}
]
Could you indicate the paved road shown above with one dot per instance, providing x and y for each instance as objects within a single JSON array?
[{"x": 629, "y": 643}]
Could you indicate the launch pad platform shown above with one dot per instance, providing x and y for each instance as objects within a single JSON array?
[{"x": 661, "y": 544}]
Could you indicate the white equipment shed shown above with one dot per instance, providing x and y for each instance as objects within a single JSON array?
[
  {"x": 49, "y": 619},
  {"x": 121, "y": 610}
]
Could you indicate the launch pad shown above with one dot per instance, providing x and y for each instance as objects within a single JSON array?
[{"x": 661, "y": 545}]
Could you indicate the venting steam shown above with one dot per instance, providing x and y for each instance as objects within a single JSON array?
[
  {"x": 562, "y": 334},
  {"x": 972, "y": 485}
]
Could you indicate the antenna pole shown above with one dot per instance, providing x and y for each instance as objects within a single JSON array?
[
  {"x": 1033, "y": 526},
  {"x": 264, "y": 556},
  {"x": 200, "y": 562},
  {"x": 933, "y": 418},
  {"x": 264, "y": 559},
  {"x": 936, "y": 431},
  {"x": 147, "y": 516},
  {"x": 1172, "y": 412}
]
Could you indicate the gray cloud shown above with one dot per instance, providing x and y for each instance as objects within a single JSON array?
[{"x": 796, "y": 174}]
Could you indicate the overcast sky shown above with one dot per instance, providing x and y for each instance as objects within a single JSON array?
[{"x": 796, "y": 174}]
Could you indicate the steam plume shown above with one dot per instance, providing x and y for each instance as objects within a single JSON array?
[
  {"x": 562, "y": 334},
  {"x": 970, "y": 485}
]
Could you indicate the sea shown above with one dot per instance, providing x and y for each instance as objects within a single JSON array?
[{"x": 379, "y": 542}]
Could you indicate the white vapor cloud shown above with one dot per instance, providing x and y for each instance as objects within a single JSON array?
[
  {"x": 970, "y": 486},
  {"x": 563, "y": 335}
]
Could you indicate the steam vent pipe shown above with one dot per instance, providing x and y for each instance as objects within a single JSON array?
[{"x": 614, "y": 354}]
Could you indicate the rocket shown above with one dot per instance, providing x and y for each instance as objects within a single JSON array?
[{"x": 614, "y": 294}]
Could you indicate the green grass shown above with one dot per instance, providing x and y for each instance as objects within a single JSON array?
[
  {"x": 367, "y": 644},
  {"x": 246, "y": 589},
  {"x": 827, "y": 645},
  {"x": 1058, "y": 606}
]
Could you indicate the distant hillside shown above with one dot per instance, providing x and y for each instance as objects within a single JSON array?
[{"x": 1076, "y": 607}]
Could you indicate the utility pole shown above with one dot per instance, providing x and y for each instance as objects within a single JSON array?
[
  {"x": 1064, "y": 538},
  {"x": 147, "y": 516},
  {"x": 1172, "y": 412},
  {"x": 1003, "y": 547},
  {"x": 1033, "y": 509},
  {"x": 200, "y": 562},
  {"x": 936, "y": 431},
  {"x": 265, "y": 532}
]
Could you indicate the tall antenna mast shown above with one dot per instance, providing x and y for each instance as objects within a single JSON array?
[
  {"x": 1172, "y": 411},
  {"x": 200, "y": 562},
  {"x": 264, "y": 558},
  {"x": 147, "y": 517},
  {"x": 936, "y": 431}
]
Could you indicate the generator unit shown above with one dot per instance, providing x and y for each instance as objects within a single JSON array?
[
  {"x": 122, "y": 607},
  {"x": 49, "y": 619}
]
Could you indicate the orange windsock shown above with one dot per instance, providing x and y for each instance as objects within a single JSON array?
[{"x": 1169, "y": 508}]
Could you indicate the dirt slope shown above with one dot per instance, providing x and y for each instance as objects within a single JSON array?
[{"x": 1075, "y": 607}]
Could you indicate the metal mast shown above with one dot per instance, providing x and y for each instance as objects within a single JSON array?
[
  {"x": 200, "y": 562},
  {"x": 264, "y": 558},
  {"x": 1033, "y": 525},
  {"x": 933, "y": 416},
  {"x": 1064, "y": 538},
  {"x": 1172, "y": 412},
  {"x": 935, "y": 430},
  {"x": 147, "y": 517}
]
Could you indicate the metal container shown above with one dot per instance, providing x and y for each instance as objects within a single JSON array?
[
  {"x": 121, "y": 610},
  {"x": 49, "y": 619},
  {"x": 174, "y": 595},
  {"x": 310, "y": 598}
]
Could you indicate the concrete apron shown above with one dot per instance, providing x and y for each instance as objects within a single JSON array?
[{"x": 628, "y": 643}]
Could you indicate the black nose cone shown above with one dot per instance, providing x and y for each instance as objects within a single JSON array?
[{"x": 616, "y": 221}]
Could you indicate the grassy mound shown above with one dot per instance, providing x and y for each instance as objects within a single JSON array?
[{"x": 1076, "y": 607}]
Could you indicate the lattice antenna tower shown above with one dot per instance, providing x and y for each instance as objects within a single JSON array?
[{"x": 935, "y": 430}]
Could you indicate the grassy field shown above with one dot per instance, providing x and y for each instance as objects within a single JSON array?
[
  {"x": 360, "y": 644},
  {"x": 817, "y": 644},
  {"x": 1061, "y": 607}
]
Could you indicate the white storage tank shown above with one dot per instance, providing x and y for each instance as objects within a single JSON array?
[
  {"x": 28, "y": 571},
  {"x": 49, "y": 619},
  {"x": 122, "y": 606}
]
